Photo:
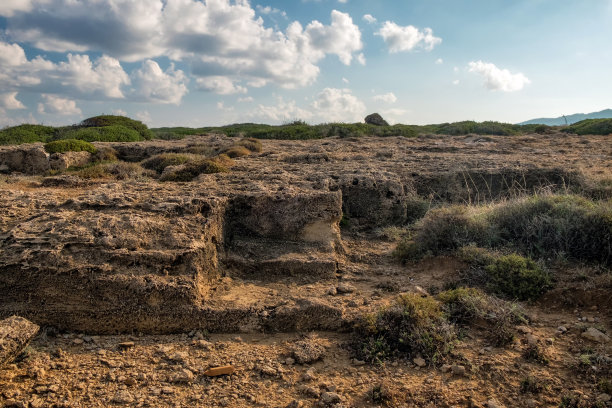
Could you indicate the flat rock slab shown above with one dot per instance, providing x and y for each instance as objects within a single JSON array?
[{"x": 15, "y": 334}]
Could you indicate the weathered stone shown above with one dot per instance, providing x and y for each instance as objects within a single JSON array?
[
  {"x": 307, "y": 351},
  {"x": 376, "y": 120},
  {"x": 217, "y": 371},
  {"x": 419, "y": 362},
  {"x": 15, "y": 334},
  {"x": 344, "y": 287},
  {"x": 595, "y": 335},
  {"x": 330, "y": 398}
]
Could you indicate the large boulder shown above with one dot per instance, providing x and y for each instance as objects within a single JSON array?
[
  {"x": 15, "y": 334},
  {"x": 376, "y": 120}
]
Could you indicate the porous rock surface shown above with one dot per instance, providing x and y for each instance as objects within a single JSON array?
[
  {"x": 15, "y": 334},
  {"x": 241, "y": 251}
]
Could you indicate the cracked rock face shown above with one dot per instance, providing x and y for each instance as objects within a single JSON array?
[{"x": 232, "y": 252}]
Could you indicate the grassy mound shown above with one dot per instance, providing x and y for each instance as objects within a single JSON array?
[
  {"x": 113, "y": 121},
  {"x": 69, "y": 145},
  {"x": 591, "y": 127},
  {"x": 96, "y": 129},
  {"x": 412, "y": 326},
  {"x": 116, "y": 171},
  {"x": 159, "y": 162},
  {"x": 192, "y": 169}
]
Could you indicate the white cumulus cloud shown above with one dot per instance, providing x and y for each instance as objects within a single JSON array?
[
  {"x": 407, "y": 38},
  {"x": 497, "y": 79},
  {"x": 338, "y": 105},
  {"x": 386, "y": 98},
  {"x": 8, "y": 100},
  {"x": 369, "y": 18},
  {"x": 152, "y": 84},
  {"x": 55, "y": 105},
  {"x": 220, "y": 85}
]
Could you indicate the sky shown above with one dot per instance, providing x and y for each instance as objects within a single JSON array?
[{"x": 214, "y": 62}]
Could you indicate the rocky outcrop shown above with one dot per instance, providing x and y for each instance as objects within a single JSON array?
[
  {"x": 27, "y": 159},
  {"x": 376, "y": 120},
  {"x": 15, "y": 334}
]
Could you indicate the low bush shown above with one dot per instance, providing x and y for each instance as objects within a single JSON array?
[
  {"x": 115, "y": 133},
  {"x": 237, "y": 151},
  {"x": 496, "y": 316},
  {"x": 531, "y": 385},
  {"x": 159, "y": 162},
  {"x": 26, "y": 134},
  {"x": 518, "y": 277},
  {"x": 554, "y": 226},
  {"x": 117, "y": 171},
  {"x": 250, "y": 143},
  {"x": 192, "y": 169},
  {"x": 69, "y": 145},
  {"x": 411, "y": 326},
  {"x": 105, "y": 154}
]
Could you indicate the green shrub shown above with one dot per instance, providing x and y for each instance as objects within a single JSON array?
[
  {"x": 69, "y": 145},
  {"x": 194, "y": 168},
  {"x": 591, "y": 127},
  {"x": 26, "y": 134},
  {"x": 518, "y": 277},
  {"x": 105, "y": 154},
  {"x": 118, "y": 121},
  {"x": 115, "y": 133},
  {"x": 556, "y": 226},
  {"x": 412, "y": 326},
  {"x": 159, "y": 162}
]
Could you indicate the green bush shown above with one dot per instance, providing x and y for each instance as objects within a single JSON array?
[
  {"x": 518, "y": 277},
  {"x": 250, "y": 143},
  {"x": 115, "y": 133},
  {"x": 564, "y": 226},
  {"x": 26, "y": 134},
  {"x": 104, "y": 121},
  {"x": 69, "y": 145},
  {"x": 159, "y": 162},
  {"x": 412, "y": 326},
  {"x": 591, "y": 127}
]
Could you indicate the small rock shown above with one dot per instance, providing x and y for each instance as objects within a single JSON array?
[
  {"x": 419, "y": 362},
  {"x": 531, "y": 339},
  {"x": 307, "y": 351},
  {"x": 421, "y": 291},
  {"x": 331, "y": 291},
  {"x": 523, "y": 329},
  {"x": 561, "y": 329},
  {"x": 183, "y": 376},
  {"x": 329, "y": 398},
  {"x": 595, "y": 335},
  {"x": 78, "y": 341},
  {"x": 122, "y": 397},
  {"x": 358, "y": 362},
  {"x": 493, "y": 404},
  {"x": 310, "y": 391},
  {"x": 203, "y": 344},
  {"x": 531, "y": 403},
  {"x": 267, "y": 370},
  {"x": 446, "y": 368},
  {"x": 167, "y": 390},
  {"x": 344, "y": 287},
  {"x": 126, "y": 345},
  {"x": 603, "y": 397},
  {"x": 295, "y": 404},
  {"x": 458, "y": 369},
  {"x": 289, "y": 361},
  {"x": 309, "y": 375}
]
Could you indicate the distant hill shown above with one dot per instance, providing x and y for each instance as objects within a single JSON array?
[{"x": 577, "y": 117}]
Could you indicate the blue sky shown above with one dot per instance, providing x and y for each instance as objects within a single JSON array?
[{"x": 214, "y": 62}]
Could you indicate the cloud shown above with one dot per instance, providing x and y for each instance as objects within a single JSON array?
[
  {"x": 220, "y": 85},
  {"x": 119, "y": 112},
  {"x": 77, "y": 76},
  {"x": 216, "y": 37},
  {"x": 497, "y": 79},
  {"x": 144, "y": 117},
  {"x": 151, "y": 84},
  {"x": 399, "y": 38},
  {"x": 439, "y": 61},
  {"x": 369, "y": 18},
  {"x": 283, "y": 111},
  {"x": 456, "y": 82},
  {"x": 386, "y": 98},
  {"x": 8, "y": 100},
  {"x": 338, "y": 105},
  {"x": 55, "y": 105},
  {"x": 246, "y": 99}
]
